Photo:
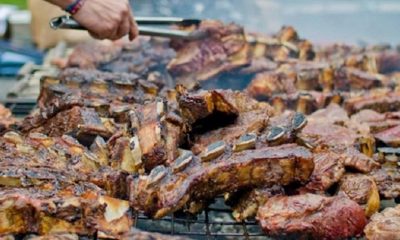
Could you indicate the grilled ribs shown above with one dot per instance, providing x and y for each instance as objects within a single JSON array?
[
  {"x": 167, "y": 190},
  {"x": 313, "y": 216}
]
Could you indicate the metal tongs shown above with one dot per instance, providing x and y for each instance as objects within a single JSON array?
[{"x": 67, "y": 22}]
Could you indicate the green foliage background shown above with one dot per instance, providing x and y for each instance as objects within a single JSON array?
[{"x": 19, "y": 3}]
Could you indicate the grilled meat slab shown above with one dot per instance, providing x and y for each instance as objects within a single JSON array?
[
  {"x": 167, "y": 190},
  {"x": 224, "y": 49},
  {"x": 313, "y": 216},
  {"x": 73, "y": 209},
  {"x": 384, "y": 225},
  {"x": 363, "y": 190}
]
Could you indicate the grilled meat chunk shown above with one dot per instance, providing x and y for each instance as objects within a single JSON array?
[
  {"x": 90, "y": 55},
  {"x": 248, "y": 116},
  {"x": 390, "y": 137},
  {"x": 384, "y": 225},
  {"x": 313, "y": 216},
  {"x": 224, "y": 49},
  {"x": 83, "y": 123},
  {"x": 328, "y": 170},
  {"x": 167, "y": 190},
  {"x": 380, "y": 100},
  {"x": 75, "y": 209},
  {"x": 363, "y": 190}
]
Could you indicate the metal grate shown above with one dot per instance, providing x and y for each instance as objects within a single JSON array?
[
  {"x": 19, "y": 107},
  {"x": 215, "y": 222}
]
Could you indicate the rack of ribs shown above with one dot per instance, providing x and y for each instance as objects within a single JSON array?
[{"x": 217, "y": 170}]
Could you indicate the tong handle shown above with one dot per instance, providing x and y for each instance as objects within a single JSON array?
[{"x": 67, "y": 22}]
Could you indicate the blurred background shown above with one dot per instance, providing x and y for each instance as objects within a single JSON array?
[{"x": 25, "y": 35}]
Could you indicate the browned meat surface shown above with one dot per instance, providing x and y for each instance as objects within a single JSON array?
[
  {"x": 266, "y": 84},
  {"x": 246, "y": 204},
  {"x": 167, "y": 190},
  {"x": 252, "y": 117},
  {"x": 75, "y": 209},
  {"x": 391, "y": 136},
  {"x": 90, "y": 55},
  {"x": 380, "y": 100},
  {"x": 329, "y": 169},
  {"x": 80, "y": 122},
  {"x": 333, "y": 113},
  {"x": 312, "y": 215},
  {"x": 363, "y": 190},
  {"x": 224, "y": 49},
  {"x": 384, "y": 225}
]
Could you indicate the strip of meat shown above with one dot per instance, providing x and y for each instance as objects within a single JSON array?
[
  {"x": 379, "y": 100},
  {"x": 313, "y": 216},
  {"x": 390, "y": 137},
  {"x": 384, "y": 225},
  {"x": 74, "y": 209},
  {"x": 363, "y": 190},
  {"x": 224, "y": 49},
  {"x": 167, "y": 190}
]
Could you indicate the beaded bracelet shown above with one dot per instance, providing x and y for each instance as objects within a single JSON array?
[{"x": 74, "y": 7}]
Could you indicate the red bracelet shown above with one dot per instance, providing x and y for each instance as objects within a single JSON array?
[{"x": 75, "y": 7}]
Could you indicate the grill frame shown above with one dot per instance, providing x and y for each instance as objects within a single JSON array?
[{"x": 208, "y": 220}]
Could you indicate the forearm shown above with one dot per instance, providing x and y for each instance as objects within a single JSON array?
[{"x": 61, "y": 3}]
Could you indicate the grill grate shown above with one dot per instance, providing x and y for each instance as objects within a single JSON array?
[
  {"x": 215, "y": 222},
  {"x": 20, "y": 108}
]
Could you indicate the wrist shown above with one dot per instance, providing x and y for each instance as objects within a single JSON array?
[{"x": 63, "y": 4}]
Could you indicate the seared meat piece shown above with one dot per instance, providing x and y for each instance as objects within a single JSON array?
[
  {"x": 61, "y": 236},
  {"x": 37, "y": 160},
  {"x": 246, "y": 204},
  {"x": 313, "y": 216},
  {"x": 90, "y": 55},
  {"x": 266, "y": 84},
  {"x": 84, "y": 123},
  {"x": 333, "y": 113},
  {"x": 363, "y": 190},
  {"x": 354, "y": 79},
  {"x": 74, "y": 209},
  {"x": 305, "y": 101},
  {"x": 167, "y": 190},
  {"x": 384, "y": 225},
  {"x": 390, "y": 137},
  {"x": 197, "y": 106},
  {"x": 252, "y": 117},
  {"x": 380, "y": 100},
  {"x": 328, "y": 170},
  {"x": 224, "y": 49},
  {"x": 370, "y": 121}
]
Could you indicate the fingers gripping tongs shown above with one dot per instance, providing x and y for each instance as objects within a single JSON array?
[{"x": 144, "y": 26}]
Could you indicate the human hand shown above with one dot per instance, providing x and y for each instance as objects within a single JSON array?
[{"x": 107, "y": 19}]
